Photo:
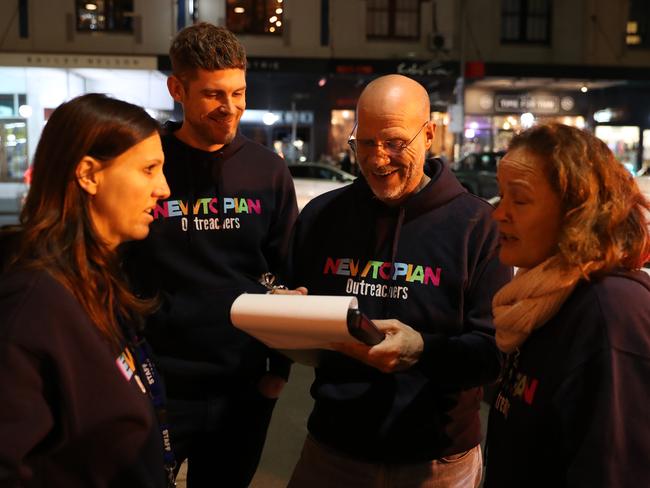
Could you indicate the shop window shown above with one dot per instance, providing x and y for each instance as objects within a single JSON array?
[
  {"x": 104, "y": 15},
  {"x": 443, "y": 139},
  {"x": 341, "y": 125},
  {"x": 526, "y": 21},
  {"x": 7, "y": 105},
  {"x": 393, "y": 19},
  {"x": 10, "y": 104},
  {"x": 478, "y": 135},
  {"x": 624, "y": 143},
  {"x": 637, "y": 31},
  {"x": 255, "y": 16},
  {"x": 13, "y": 149}
]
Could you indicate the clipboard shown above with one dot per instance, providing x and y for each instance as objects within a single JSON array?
[{"x": 303, "y": 321}]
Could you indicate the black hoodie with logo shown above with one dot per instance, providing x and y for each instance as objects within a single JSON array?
[
  {"x": 431, "y": 263},
  {"x": 574, "y": 409},
  {"x": 227, "y": 221}
]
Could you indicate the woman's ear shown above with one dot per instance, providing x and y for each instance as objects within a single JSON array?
[{"x": 87, "y": 174}]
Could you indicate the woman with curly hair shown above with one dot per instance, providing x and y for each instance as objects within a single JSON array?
[
  {"x": 572, "y": 406},
  {"x": 76, "y": 383}
]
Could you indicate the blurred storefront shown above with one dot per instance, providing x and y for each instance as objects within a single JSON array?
[
  {"x": 493, "y": 117},
  {"x": 289, "y": 133},
  {"x": 302, "y": 108},
  {"x": 621, "y": 118},
  {"x": 14, "y": 112},
  {"x": 33, "y": 85},
  {"x": 612, "y": 101},
  {"x": 624, "y": 142},
  {"x": 328, "y": 89}
]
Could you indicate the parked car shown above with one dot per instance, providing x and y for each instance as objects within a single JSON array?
[
  {"x": 477, "y": 173},
  {"x": 312, "y": 179}
]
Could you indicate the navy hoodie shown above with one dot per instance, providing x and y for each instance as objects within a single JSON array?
[
  {"x": 431, "y": 263},
  {"x": 71, "y": 413},
  {"x": 227, "y": 221},
  {"x": 575, "y": 411}
]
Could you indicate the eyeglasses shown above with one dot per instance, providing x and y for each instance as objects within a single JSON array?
[{"x": 393, "y": 147}]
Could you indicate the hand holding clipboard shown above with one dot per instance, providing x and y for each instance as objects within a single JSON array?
[{"x": 363, "y": 329}]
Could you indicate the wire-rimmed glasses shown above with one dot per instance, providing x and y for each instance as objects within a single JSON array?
[{"x": 393, "y": 147}]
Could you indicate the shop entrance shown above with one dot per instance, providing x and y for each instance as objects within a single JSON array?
[{"x": 13, "y": 149}]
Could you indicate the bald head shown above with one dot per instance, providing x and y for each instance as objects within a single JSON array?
[
  {"x": 393, "y": 94},
  {"x": 393, "y": 136}
]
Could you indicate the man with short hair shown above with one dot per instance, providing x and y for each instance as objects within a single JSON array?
[
  {"x": 420, "y": 255},
  {"x": 227, "y": 223}
]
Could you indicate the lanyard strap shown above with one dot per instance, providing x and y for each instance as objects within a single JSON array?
[{"x": 156, "y": 393}]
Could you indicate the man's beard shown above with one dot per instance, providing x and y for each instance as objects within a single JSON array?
[
  {"x": 397, "y": 192},
  {"x": 210, "y": 138}
]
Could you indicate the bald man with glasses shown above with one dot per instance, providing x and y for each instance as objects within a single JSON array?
[{"x": 420, "y": 255}]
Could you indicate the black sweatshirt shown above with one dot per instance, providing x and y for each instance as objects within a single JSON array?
[
  {"x": 431, "y": 263},
  {"x": 576, "y": 411},
  {"x": 227, "y": 221},
  {"x": 69, "y": 417}
]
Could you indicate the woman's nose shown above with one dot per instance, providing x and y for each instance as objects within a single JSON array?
[{"x": 162, "y": 190}]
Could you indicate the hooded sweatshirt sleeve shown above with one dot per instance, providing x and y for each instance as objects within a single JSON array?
[
  {"x": 64, "y": 397},
  {"x": 471, "y": 358},
  {"x": 276, "y": 250},
  {"x": 276, "y": 247},
  {"x": 601, "y": 405},
  {"x": 25, "y": 416},
  {"x": 605, "y": 426}
]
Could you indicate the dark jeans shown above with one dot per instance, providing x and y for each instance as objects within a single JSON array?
[{"x": 222, "y": 438}]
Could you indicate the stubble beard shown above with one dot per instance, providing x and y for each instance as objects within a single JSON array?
[
  {"x": 397, "y": 193},
  {"x": 209, "y": 137}
]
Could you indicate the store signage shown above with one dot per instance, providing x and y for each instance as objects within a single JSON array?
[
  {"x": 542, "y": 104},
  {"x": 478, "y": 101},
  {"x": 262, "y": 65},
  {"x": 78, "y": 61},
  {"x": 427, "y": 68},
  {"x": 361, "y": 69}
]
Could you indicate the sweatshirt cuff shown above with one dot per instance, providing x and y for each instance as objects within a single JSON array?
[
  {"x": 279, "y": 365},
  {"x": 433, "y": 345}
]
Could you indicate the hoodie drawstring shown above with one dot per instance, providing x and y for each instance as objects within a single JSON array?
[{"x": 393, "y": 251}]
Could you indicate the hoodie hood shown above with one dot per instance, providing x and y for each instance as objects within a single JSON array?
[
  {"x": 171, "y": 126},
  {"x": 640, "y": 276},
  {"x": 441, "y": 189}
]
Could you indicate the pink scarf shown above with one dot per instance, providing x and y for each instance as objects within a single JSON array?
[{"x": 530, "y": 300}]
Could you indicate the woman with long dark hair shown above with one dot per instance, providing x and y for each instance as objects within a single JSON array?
[{"x": 76, "y": 383}]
